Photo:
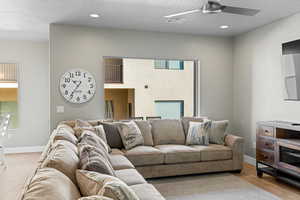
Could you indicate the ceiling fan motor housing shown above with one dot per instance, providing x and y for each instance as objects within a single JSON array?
[{"x": 212, "y": 7}]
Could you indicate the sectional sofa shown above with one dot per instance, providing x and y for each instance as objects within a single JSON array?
[{"x": 163, "y": 154}]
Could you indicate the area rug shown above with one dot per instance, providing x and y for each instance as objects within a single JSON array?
[{"x": 222, "y": 186}]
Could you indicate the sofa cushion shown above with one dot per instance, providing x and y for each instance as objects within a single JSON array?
[
  {"x": 62, "y": 158},
  {"x": 179, "y": 153},
  {"x": 51, "y": 184},
  {"x": 186, "y": 122},
  {"x": 218, "y": 131},
  {"x": 94, "y": 159},
  {"x": 95, "y": 197},
  {"x": 116, "y": 152},
  {"x": 145, "y": 128},
  {"x": 93, "y": 183},
  {"x": 214, "y": 152},
  {"x": 144, "y": 155},
  {"x": 167, "y": 131},
  {"x": 130, "y": 176},
  {"x": 120, "y": 162},
  {"x": 112, "y": 135},
  {"x": 198, "y": 133},
  {"x": 147, "y": 192},
  {"x": 130, "y": 134}
]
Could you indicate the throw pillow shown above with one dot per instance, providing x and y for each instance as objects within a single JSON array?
[
  {"x": 146, "y": 130},
  {"x": 130, "y": 134},
  {"x": 112, "y": 135},
  {"x": 198, "y": 133},
  {"x": 186, "y": 121},
  {"x": 93, "y": 183},
  {"x": 218, "y": 131},
  {"x": 94, "y": 159},
  {"x": 64, "y": 132},
  {"x": 95, "y": 197},
  {"x": 98, "y": 130},
  {"x": 90, "y": 138}
]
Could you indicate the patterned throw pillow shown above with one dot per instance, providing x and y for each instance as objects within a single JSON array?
[
  {"x": 95, "y": 197},
  {"x": 90, "y": 138},
  {"x": 93, "y": 183},
  {"x": 130, "y": 134},
  {"x": 93, "y": 159},
  {"x": 98, "y": 130},
  {"x": 198, "y": 133},
  {"x": 64, "y": 132},
  {"x": 218, "y": 131}
]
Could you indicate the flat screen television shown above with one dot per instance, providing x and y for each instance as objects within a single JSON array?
[{"x": 291, "y": 70}]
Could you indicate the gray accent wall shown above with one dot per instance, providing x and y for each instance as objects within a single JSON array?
[
  {"x": 258, "y": 82},
  {"x": 84, "y": 47}
]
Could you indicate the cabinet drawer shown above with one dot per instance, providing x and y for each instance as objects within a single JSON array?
[
  {"x": 265, "y": 156},
  {"x": 265, "y": 143},
  {"x": 266, "y": 131}
]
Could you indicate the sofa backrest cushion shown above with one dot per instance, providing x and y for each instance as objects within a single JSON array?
[
  {"x": 92, "y": 139},
  {"x": 145, "y": 128},
  {"x": 218, "y": 132},
  {"x": 186, "y": 122},
  {"x": 112, "y": 135},
  {"x": 51, "y": 184},
  {"x": 63, "y": 158},
  {"x": 167, "y": 131}
]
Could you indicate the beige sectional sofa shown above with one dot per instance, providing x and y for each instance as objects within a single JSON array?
[{"x": 163, "y": 154}]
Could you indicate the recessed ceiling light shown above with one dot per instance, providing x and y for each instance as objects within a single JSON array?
[
  {"x": 224, "y": 27},
  {"x": 94, "y": 15}
]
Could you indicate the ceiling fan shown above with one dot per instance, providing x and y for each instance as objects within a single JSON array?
[{"x": 215, "y": 7}]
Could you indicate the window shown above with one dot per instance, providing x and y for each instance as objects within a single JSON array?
[
  {"x": 169, "y": 109},
  {"x": 169, "y": 64},
  {"x": 9, "y": 92}
]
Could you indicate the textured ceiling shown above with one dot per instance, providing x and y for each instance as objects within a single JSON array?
[{"x": 30, "y": 19}]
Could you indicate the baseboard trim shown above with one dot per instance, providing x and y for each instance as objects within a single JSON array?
[
  {"x": 250, "y": 160},
  {"x": 30, "y": 149}
]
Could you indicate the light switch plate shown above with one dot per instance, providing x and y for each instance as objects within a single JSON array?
[{"x": 60, "y": 109}]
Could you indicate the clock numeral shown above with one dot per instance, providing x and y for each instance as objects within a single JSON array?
[
  {"x": 78, "y": 73},
  {"x": 64, "y": 85},
  {"x": 84, "y": 97},
  {"x": 67, "y": 80},
  {"x": 84, "y": 75},
  {"x": 91, "y": 86},
  {"x": 78, "y": 99},
  {"x": 89, "y": 92},
  {"x": 71, "y": 75},
  {"x": 71, "y": 96},
  {"x": 89, "y": 79},
  {"x": 66, "y": 92}
]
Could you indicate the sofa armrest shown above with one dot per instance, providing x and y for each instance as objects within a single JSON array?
[{"x": 237, "y": 145}]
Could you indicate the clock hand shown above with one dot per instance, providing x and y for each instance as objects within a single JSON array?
[{"x": 77, "y": 86}]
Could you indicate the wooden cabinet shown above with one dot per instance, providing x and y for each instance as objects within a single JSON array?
[{"x": 278, "y": 150}]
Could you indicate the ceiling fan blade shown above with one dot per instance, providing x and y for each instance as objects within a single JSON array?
[
  {"x": 240, "y": 11},
  {"x": 182, "y": 13}
]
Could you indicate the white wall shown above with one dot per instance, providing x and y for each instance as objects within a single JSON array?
[
  {"x": 33, "y": 99},
  {"x": 258, "y": 84},
  {"x": 79, "y": 46},
  {"x": 162, "y": 85}
]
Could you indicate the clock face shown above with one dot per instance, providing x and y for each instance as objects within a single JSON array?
[{"x": 77, "y": 86}]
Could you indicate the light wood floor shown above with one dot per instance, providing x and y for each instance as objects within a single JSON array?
[{"x": 22, "y": 165}]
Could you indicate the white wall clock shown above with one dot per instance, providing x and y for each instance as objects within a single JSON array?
[{"x": 77, "y": 86}]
